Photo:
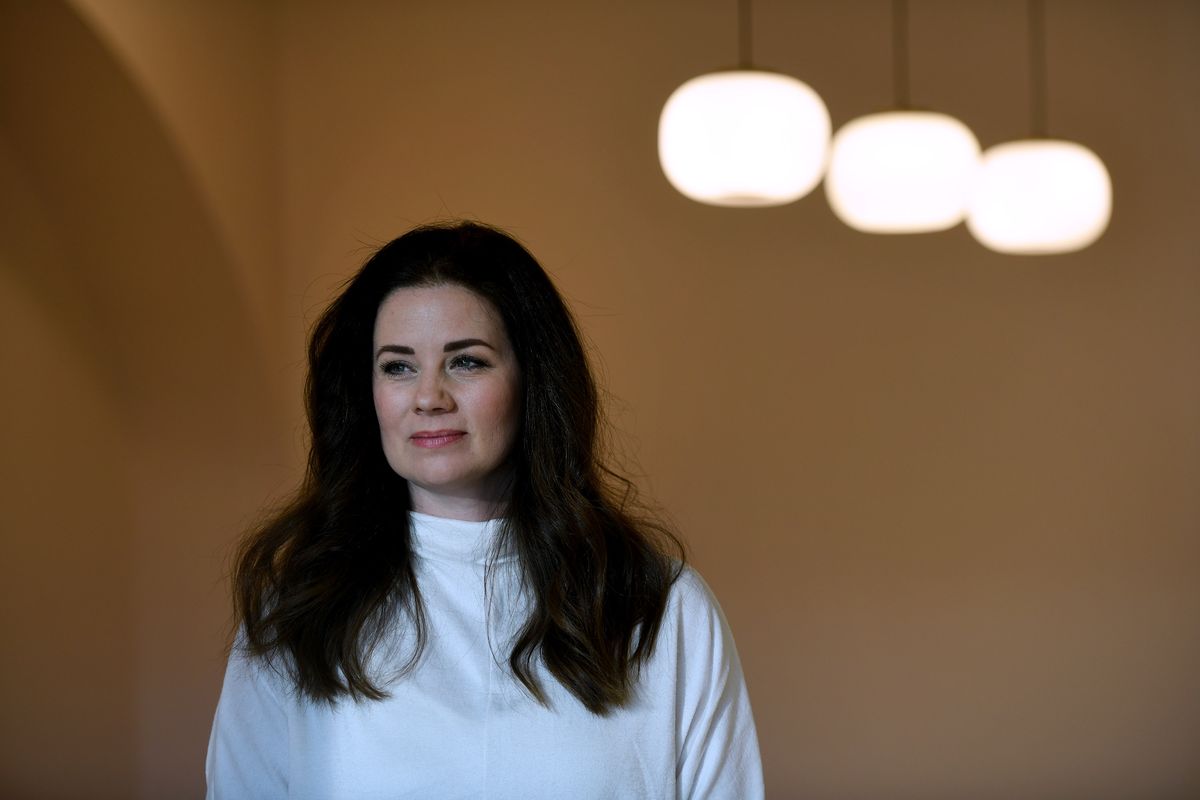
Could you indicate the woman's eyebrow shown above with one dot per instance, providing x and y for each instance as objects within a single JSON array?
[
  {"x": 457, "y": 344},
  {"x": 395, "y": 348},
  {"x": 462, "y": 344}
]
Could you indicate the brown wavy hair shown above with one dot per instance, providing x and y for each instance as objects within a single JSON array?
[{"x": 322, "y": 582}]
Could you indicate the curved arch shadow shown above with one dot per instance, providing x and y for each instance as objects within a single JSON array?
[{"x": 169, "y": 332}]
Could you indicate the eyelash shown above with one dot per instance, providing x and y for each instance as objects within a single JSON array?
[
  {"x": 395, "y": 367},
  {"x": 464, "y": 362},
  {"x": 469, "y": 363}
]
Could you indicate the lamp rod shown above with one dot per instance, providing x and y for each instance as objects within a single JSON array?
[
  {"x": 745, "y": 35},
  {"x": 900, "y": 53},
  {"x": 1037, "y": 69}
]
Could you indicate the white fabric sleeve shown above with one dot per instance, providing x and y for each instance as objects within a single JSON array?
[
  {"x": 718, "y": 755},
  {"x": 248, "y": 748}
]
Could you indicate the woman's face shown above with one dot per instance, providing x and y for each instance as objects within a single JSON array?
[{"x": 447, "y": 393}]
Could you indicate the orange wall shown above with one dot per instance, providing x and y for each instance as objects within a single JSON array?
[{"x": 946, "y": 497}]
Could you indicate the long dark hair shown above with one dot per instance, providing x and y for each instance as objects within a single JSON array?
[{"x": 322, "y": 582}]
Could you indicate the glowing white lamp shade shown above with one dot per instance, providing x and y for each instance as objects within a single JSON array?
[
  {"x": 902, "y": 172},
  {"x": 743, "y": 138},
  {"x": 1040, "y": 196}
]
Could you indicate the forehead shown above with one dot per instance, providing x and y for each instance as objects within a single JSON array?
[{"x": 446, "y": 309}]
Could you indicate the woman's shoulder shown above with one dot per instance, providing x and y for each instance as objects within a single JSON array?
[
  {"x": 690, "y": 585},
  {"x": 692, "y": 604}
]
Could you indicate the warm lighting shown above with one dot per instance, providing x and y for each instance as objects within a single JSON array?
[
  {"x": 743, "y": 138},
  {"x": 902, "y": 172},
  {"x": 1040, "y": 196}
]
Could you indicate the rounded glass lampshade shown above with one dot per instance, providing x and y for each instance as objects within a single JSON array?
[
  {"x": 1040, "y": 196},
  {"x": 902, "y": 172},
  {"x": 743, "y": 138}
]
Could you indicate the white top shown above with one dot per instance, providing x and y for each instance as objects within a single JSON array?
[{"x": 461, "y": 726}]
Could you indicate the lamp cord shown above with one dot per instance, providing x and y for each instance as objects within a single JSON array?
[
  {"x": 900, "y": 53},
  {"x": 744, "y": 35},
  {"x": 1037, "y": 69}
]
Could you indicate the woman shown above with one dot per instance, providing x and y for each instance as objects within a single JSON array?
[{"x": 458, "y": 603}]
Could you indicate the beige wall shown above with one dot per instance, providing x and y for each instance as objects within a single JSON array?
[
  {"x": 946, "y": 497},
  {"x": 65, "y": 602}
]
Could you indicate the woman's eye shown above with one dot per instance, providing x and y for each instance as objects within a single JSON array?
[
  {"x": 468, "y": 363},
  {"x": 395, "y": 368}
]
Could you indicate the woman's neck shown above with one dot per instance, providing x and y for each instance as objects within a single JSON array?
[{"x": 468, "y": 508}]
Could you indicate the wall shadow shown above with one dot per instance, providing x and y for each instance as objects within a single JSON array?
[{"x": 138, "y": 391}]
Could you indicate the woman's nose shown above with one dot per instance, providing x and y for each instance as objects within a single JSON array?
[{"x": 432, "y": 395}]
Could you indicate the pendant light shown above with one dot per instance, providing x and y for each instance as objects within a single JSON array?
[
  {"x": 902, "y": 171},
  {"x": 1040, "y": 195},
  {"x": 745, "y": 136}
]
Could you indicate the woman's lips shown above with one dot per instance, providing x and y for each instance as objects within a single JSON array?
[{"x": 435, "y": 439}]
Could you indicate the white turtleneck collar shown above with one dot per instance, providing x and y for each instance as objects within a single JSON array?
[{"x": 458, "y": 540}]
